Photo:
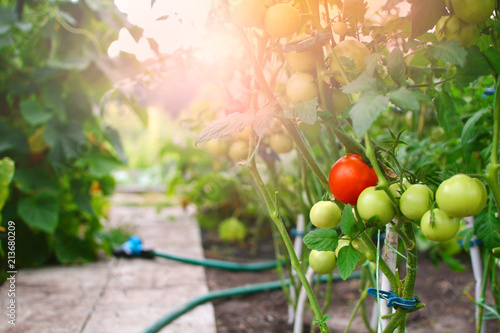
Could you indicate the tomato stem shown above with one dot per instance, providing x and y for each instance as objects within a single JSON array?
[
  {"x": 273, "y": 212},
  {"x": 491, "y": 175}
]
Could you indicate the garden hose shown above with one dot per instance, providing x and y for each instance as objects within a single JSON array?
[
  {"x": 266, "y": 286},
  {"x": 133, "y": 248},
  {"x": 221, "y": 264}
]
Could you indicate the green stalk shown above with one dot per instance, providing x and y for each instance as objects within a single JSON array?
[
  {"x": 488, "y": 260},
  {"x": 491, "y": 175},
  {"x": 273, "y": 212},
  {"x": 361, "y": 300}
]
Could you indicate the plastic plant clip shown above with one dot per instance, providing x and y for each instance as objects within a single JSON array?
[
  {"x": 393, "y": 300},
  {"x": 133, "y": 248}
]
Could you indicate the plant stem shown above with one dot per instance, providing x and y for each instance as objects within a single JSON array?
[
  {"x": 486, "y": 272},
  {"x": 361, "y": 300},
  {"x": 273, "y": 212},
  {"x": 491, "y": 175}
]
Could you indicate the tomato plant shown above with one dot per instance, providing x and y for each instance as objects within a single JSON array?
[
  {"x": 398, "y": 99},
  {"x": 349, "y": 176}
]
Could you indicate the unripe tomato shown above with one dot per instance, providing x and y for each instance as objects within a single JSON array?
[
  {"x": 397, "y": 190},
  {"x": 415, "y": 201},
  {"x": 349, "y": 176},
  {"x": 473, "y": 11},
  {"x": 351, "y": 55},
  {"x": 232, "y": 229},
  {"x": 340, "y": 101},
  {"x": 345, "y": 241},
  {"x": 304, "y": 61},
  {"x": 301, "y": 87},
  {"x": 441, "y": 227},
  {"x": 452, "y": 27},
  {"x": 340, "y": 28},
  {"x": 322, "y": 262},
  {"x": 311, "y": 131},
  {"x": 372, "y": 202},
  {"x": 280, "y": 143},
  {"x": 247, "y": 13},
  {"x": 244, "y": 134},
  {"x": 325, "y": 214},
  {"x": 281, "y": 20},
  {"x": 461, "y": 196},
  {"x": 238, "y": 150},
  {"x": 218, "y": 147}
]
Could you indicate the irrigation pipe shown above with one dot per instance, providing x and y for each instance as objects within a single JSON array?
[
  {"x": 221, "y": 264},
  {"x": 266, "y": 286}
]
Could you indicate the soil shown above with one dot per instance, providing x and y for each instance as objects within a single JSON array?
[{"x": 443, "y": 291}]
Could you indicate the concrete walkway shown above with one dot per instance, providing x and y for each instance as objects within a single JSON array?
[{"x": 118, "y": 295}]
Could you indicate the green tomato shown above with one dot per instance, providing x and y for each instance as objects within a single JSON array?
[
  {"x": 345, "y": 241},
  {"x": 340, "y": 28},
  {"x": 440, "y": 227},
  {"x": 232, "y": 229},
  {"x": 322, "y": 262},
  {"x": 452, "y": 27},
  {"x": 281, "y": 20},
  {"x": 473, "y": 11},
  {"x": 351, "y": 55},
  {"x": 461, "y": 196},
  {"x": 375, "y": 203},
  {"x": 280, "y": 143},
  {"x": 415, "y": 201},
  {"x": 218, "y": 147},
  {"x": 340, "y": 101},
  {"x": 304, "y": 61},
  {"x": 396, "y": 188},
  {"x": 301, "y": 87},
  {"x": 247, "y": 13},
  {"x": 325, "y": 214},
  {"x": 238, "y": 150}
]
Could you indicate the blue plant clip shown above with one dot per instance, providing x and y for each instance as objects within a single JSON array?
[
  {"x": 393, "y": 299},
  {"x": 488, "y": 92},
  {"x": 472, "y": 243},
  {"x": 133, "y": 246}
]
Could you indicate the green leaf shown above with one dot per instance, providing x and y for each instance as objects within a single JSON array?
[
  {"x": 71, "y": 249},
  {"x": 264, "y": 119},
  {"x": 366, "y": 110},
  {"x": 66, "y": 140},
  {"x": 347, "y": 221},
  {"x": 396, "y": 66},
  {"x": 469, "y": 130},
  {"x": 407, "y": 99},
  {"x": 34, "y": 113},
  {"x": 6, "y": 171},
  {"x": 449, "y": 51},
  {"x": 306, "y": 111},
  {"x": 114, "y": 138},
  {"x": 476, "y": 65},
  {"x": 321, "y": 240},
  {"x": 347, "y": 261},
  {"x": 486, "y": 224},
  {"x": 447, "y": 114},
  {"x": 466, "y": 235},
  {"x": 493, "y": 56},
  {"x": 424, "y": 15},
  {"x": 364, "y": 83},
  {"x": 232, "y": 123},
  {"x": 41, "y": 211}
]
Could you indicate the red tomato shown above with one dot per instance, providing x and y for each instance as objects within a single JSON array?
[{"x": 349, "y": 176}]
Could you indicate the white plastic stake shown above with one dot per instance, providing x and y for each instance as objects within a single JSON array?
[
  {"x": 477, "y": 268},
  {"x": 390, "y": 257},
  {"x": 297, "y": 245},
  {"x": 301, "y": 304}
]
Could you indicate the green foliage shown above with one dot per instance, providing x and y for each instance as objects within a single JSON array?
[{"x": 51, "y": 79}]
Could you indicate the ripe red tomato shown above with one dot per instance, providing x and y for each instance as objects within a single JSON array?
[{"x": 349, "y": 176}]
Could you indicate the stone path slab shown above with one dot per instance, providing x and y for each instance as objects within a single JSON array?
[{"x": 118, "y": 295}]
